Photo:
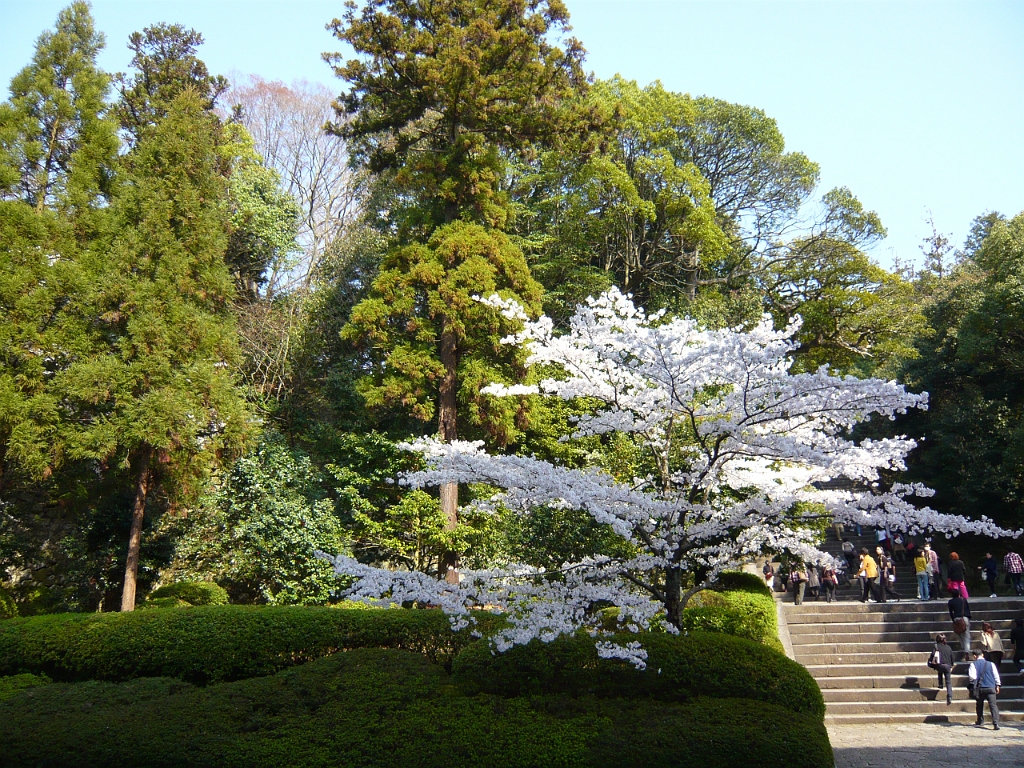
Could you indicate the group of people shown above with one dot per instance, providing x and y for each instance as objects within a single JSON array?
[
  {"x": 984, "y": 681},
  {"x": 878, "y": 574}
]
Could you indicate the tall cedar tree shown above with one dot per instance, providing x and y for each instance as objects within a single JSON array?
[
  {"x": 444, "y": 87},
  {"x": 442, "y": 92},
  {"x": 57, "y": 150},
  {"x": 159, "y": 396},
  {"x": 165, "y": 66},
  {"x": 431, "y": 342}
]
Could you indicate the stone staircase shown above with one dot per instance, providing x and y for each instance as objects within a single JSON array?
[
  {"x": 906, "y": 580},
  {"x": 870, "y": 659}
]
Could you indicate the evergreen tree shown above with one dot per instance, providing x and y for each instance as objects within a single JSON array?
[
  {"x": 432, "y": 346},
  {"x": 444, "y": 89},
  {"x": 157, "y": 396},
  {"x": 166, "y": 65},
  {"x": 442, "y": 94},
  {"x": 58, "y": 147},
  {"x": 56, "y": 143}
]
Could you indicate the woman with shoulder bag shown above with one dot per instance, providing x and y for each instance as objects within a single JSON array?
[{"x": 941, "y": 660}]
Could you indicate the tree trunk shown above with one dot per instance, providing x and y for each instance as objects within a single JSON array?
[
  {"x": 673, "y": 597},
  {"x": 449, "y": 565},
  {"x": 131, "y": 569}
]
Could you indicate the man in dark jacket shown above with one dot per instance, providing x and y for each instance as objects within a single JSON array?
[
  {"x": 1017, "y": 638},
  {"x": 990, "y": 570},
  {"x": 959, "y": 608}
]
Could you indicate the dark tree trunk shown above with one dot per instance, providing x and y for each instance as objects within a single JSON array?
[
  {"x": 673, "y": 597},
  {"x": 131, "y": 570},
  {"x": 447, "y": 411}
]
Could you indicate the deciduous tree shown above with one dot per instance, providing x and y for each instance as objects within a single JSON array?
[{"x": 737, "y": 443}]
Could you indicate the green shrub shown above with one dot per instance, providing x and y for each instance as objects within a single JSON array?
[
  {"x": 214, "y": 643},
  {"x": 679, "y": 668},
  {"x": 192, "y": 592},
  {"x": 18, "y": 683},
  {"x": 8, "y": 608},
  {"x": 388, "y": 709},
  {"x": 750, "y": 615},
  {"x": 744, "y": 582}
]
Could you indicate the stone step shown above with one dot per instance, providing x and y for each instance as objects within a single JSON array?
[
  {"x": 915, "y": 606},
  {"x": 865, "y": 682},
  {"x": 863, "y": 629},
  {"x": 795, "y": 616},
  {"x": 921, "y": 636},
  {"x": 845, "y": 658},
  {"x": 922, "y": 648},
  {"x": 916, "y": 668},
  {"x": 1009, "y": 693},
  {"x": 899, "y": 718},
  {"x": 914, "y": 707}
]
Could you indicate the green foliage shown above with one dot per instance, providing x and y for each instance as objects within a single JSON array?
[
  {"x": 443, "y": 91},
  {"x": 56, "y": 144},
  {"x": 741, "y": 613},
  {"x": 741, "y": 581},
  {"x": 642, "y": 210},
  {"x": 8, "y": 608},
  {"x": 421, "y": 321},
  {"x": 264, "y": 218},
  {"x": 856, "y": 316},
  {"x": 257, "y": 532},
  {"x": 679, "y": 668},
  {"x": 383, "y": 709},
  {"x": 672, "y": 209},
  {"x": 192, "y": 593},
  {"x": 166, "y": 66},
  {"x": 14, "y": 684},
  {"x": 160, "y": 380},
  {"x": 971, "y": 438},
  {"x": 215, "y": 642}
]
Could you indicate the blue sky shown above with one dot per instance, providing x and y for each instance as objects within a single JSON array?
[{"x": 916, "y": 106}]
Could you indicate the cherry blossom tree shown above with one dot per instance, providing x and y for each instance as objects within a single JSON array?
[{"x": 742, "y": 449}]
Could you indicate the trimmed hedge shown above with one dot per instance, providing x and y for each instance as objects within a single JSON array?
[
  {"x": 191, "y": 592},
  {"x": 215, "y": 643},
  {"x": 750, "y": 615},
  {"x": 679, "y": 668},
  {"x": 744, "y": 582},
  {"x": 9, "y": 686},
  {"x": 388, "y": 709}
]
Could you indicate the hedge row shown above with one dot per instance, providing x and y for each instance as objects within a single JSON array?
[
  {"x": 214, "y": 643},
  {"x": 187, "y": 593},
  {"x": 679, "y": 668},
  {"x": 747, "y": 614},
  {"x": 384, "y": 709}
]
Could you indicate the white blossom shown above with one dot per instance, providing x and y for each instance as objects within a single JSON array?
[{"x": 739, "y": 442}]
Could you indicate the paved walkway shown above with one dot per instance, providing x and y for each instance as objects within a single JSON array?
[{"x": 927, "y": 745}]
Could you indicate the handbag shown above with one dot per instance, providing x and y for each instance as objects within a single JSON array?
[
  {"x": 934, "y": 659},
  {"x": 959, "y": 625}
]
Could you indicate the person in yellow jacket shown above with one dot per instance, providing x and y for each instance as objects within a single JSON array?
[
  {"x": 868, "y": 574},
  {"x": 923, "y": 570}
]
